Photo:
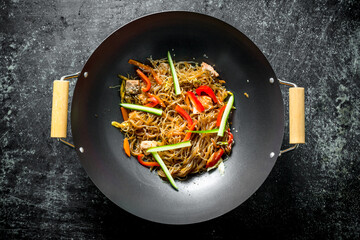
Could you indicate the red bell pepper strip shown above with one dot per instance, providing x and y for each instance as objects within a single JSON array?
[
  {"x": 195, "y": 102},
  {"x": 208, "y": 91},
  {"x": 184, "y": 114},
  {"x": 214, "y": 158},
  {"x": 145, "y": 79},
  {"x": 230, "y": 140},
  {"x": 152, "y": 102},
  {"x": 147, "y": 164},
  {"x": 218, "y": 120},
  {"x": 157, "y": 98},
  {"x": 188, "y": 134}
]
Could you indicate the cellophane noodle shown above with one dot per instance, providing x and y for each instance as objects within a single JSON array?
[{"x": 170, "y": 128}]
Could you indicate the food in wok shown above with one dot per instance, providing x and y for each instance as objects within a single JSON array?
[{"x": 175, "y": 117}]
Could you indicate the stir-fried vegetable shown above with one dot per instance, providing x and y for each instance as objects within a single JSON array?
[
  {"x": 155, "y": 100},
  {"x": 188, "y": 134},
  {"x": 146, "y": 164},
  {"x": 122, "y": 88},
  {"x": 165, "y": 169},
  {"x": 169, "y": 147},
  {"x": 221, "y": 111},
  {"x": 184, "y": 114},
  {"x": 208, "y": 91},
  {"x": 200, "y": 110},
  {"x": 214, "y": 158},
  {"x": 206, "y": 131},
  {"x": 230, "y": 140},
  {"x": 131, "y": 106},
  {"x": 195, "y": 102},
  {"x": 116, "y": 124},
  {"x": 127, "y": 147},
  {"x": 146, "y": 68},
  {"x": 225, "y": 115},
  {"x": 145, "y": 79},
  {"x": 174, "y": 76},
  {"x": 152, "y": 102},
  {"x": 124, "y": 113}
]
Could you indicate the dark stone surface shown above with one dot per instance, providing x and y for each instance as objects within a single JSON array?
[{"x": 313, "y": 192}]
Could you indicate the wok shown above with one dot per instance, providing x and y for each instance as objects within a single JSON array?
[{"x": 257, "y": 122}]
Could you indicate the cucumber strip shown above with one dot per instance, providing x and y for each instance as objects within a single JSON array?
[
  {"x": 165, "y": 169},
  {"x": 225, "y": 115},
  {"x": 131, "y": 106},
  {"x": 169, "y": 147},
  {"x": 205, "y": 131},
  {"x": 173, "y": 73}
]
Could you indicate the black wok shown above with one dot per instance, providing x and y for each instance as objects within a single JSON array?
[{"x": 258, "y": 121}]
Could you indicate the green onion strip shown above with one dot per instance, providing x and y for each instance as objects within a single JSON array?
[
  {"x": 165, "y": 169},
  {"x": 173, "y": 73},
  {"x": 169, "y": 147},
  {"x": 225, "y": 115},
  {"x": 131, "y": 106},
  {"x": 205, "y": 131}
]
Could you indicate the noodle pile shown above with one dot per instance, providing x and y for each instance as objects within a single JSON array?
[{"x": 170, "y": 128}]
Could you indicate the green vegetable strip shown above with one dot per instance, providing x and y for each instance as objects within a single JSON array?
[
  {"x": 173, "y": 73},
  {"x": 169, "y": 147},
  {"x": 225, "y": 115},
  {"x": 206, "y": 131},
  {"x": 131, "y": 106},
  {"x": 165, "y": 169}
]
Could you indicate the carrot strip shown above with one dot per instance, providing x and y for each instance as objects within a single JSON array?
[
  {"x": 144, "y": 67},
  {"x": 124, "y": 113},
  {"x": 127, "y": 147}
]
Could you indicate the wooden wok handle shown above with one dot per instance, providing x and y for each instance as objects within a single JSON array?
[
  {"x": 296, "y": 115},
  {"x": 59, "y": 113}
]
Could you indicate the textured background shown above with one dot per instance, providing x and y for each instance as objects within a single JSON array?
[{"x": 313, "y": 192}]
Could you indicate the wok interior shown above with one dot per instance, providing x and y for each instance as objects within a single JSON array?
[{"x": 257, "y": 121}]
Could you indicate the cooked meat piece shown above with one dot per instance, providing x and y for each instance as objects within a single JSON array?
[
  {"x": 209, "y": 68},
  {"x": 206, "y": 101},
  {"x": 132, "y": 86},
  {"x": 145, "y": 145}
]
